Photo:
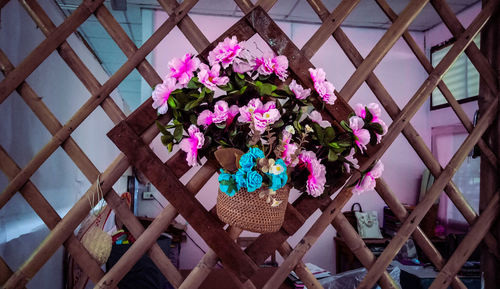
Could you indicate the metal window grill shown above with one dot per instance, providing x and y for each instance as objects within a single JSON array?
[{"x": 133, "y": 134}]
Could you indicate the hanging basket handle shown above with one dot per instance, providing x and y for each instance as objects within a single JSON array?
[{"x": 359, "y": 207}]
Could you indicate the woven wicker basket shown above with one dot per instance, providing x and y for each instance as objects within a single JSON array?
[{"x": 249, "y": 212}]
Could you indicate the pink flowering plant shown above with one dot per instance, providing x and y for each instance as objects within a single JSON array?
[{"x": 276, "y": 137}]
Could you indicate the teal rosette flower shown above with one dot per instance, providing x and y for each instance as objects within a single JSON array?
[
  {"x": 247, "y": 162},
  {"x": 256, "y": 152},
  {"x": 277, "y": 181},
  {"x": 241, "y": 179},
  {"x": 227, "y": 183},
  {"x": 254, "y": 181}
]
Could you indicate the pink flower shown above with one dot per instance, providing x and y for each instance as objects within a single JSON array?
[
  {"x": 362, "y": 136},
  {"x": 182, "y": 69},
  {"x": 222, "y": 113},
  {"x": 161, "y": 94},
  {"x": 299, "y": 91},
  {"x": 316, "y": 117},
  {"x": 192, "y": 144},
  {"x": 269, "y": 64},
  {"x": 368, "y": 182},
  {"x": 211, "y": 77},
  {"x": 317, "y": 173},
  {"x": 375, "y": 110},
  {"x": 225, "y": 52},
  {"x": 352, "y": 160},
  {"x": 289, "y": 149},
  {"x": 325, "y": 89},
  {"x": 260, "y": 115}
]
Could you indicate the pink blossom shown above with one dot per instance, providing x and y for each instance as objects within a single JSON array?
[
  {"x": 222, "y": 113},
  {"x": 368, "y": 182},
  {"x": 225, "y": 52},
  {"x": 299, "y": 91},
  {"x": 192, "y": 144},
  {"x": 241, "y": 66},
  {"x": 316, "y": 117},
  {"x": 161, "y": 94},
  {"x": 259, "y": 114},
  {"x": 289, "y": 149},
  {"x": 317, "y": 173},
  {"x": 269, "y": 64},
  {"x": 325, "y": 89},
  {"x": 211, "y": 77},
  {"x": 182, "y": 69},
  {"x": 375, "y": 111},
  {"x": 350, "y": 158},
  {"x": 362, "y": 136}
]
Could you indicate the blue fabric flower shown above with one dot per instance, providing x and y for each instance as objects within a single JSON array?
[
  {"x": 277, "y": 181},
  {"x": 256, "y": 152},
  {"x": 247, "y": 162},
  {"x": 254, "y": 181},
  {"x": 227, "y": 183},
  {"x": 241, "y": 179}
]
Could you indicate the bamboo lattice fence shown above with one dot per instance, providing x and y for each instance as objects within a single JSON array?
[{"x": 133, "y": 134}]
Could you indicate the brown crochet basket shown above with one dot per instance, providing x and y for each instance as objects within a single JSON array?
[{"x": 249, "y": 212}]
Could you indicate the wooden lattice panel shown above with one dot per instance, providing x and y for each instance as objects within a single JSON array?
[{"x": 133, "y": 135}]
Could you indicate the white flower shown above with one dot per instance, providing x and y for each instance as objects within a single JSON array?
[
  {"x": 290, "y": 129},
  {"x": 308, "y": 129}
]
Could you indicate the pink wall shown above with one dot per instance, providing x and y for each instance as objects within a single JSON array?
[{"x": 399, "y": 72}]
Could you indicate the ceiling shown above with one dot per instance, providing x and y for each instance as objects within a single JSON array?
[{"x": 366, "y": 14}]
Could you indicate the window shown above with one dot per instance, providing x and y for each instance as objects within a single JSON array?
[{"x": 462, "y": 78}]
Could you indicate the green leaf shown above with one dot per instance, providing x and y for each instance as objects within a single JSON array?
[
  {"x": 267, "y": 89},
  {"x": 243, "y": 89},
  {"x": 221, "y": 125},
  {"x": 161, "y": 128},
  {"x": 377, "y": 128},
  {"x": 193, "y": 119},
  {"x": 192, "y": 104},
  {"x": 167, "y": 138},
  {"x": 278, "y": 124},
  {"x": 345, "y": 140},
  {"x": 329, "y": 134},
  {"x": 345, "y": 126},
  {"x": 334, "y": 145},
  {"x": 373, "y": 138},
  {"x": 369, "y": 116},
  {"x": 170, "y": 146},
  {"x": 332, "y": 156},
  {"x": 193, "y": 83},
  {"x": 178, "y": 133},
  {"x": 319, "y": 132},
  {"x": 221, "y": 142},
  {"x": 227, "y": 87},
  {"x": 172, "y": 102},
  {"x": 241, "y": 76},
  {"x": 297, "y": 125}
]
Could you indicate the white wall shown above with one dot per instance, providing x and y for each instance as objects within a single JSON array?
[
  {"x": 59, "y": 180},
  {"x": 401, "y": 74}
]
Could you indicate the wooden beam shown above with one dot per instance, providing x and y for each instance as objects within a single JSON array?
[
  {"x": 92, "y": 103},
  {"x": 46, "y": 47},
  {"x": 176, "y": 193},
  {"x": 74, "y": 62},
  {"x": 423, "y": 207},
  {"x": 309, "y": 239},
  {"x": 468, "y": 244},
  {"x": 50, "y": 217},
  {"x": 301, "y": 269},
  {"x": 382, "y": 47},
  {"x": 490, "y": 179},
  {"x": 330, "y": 24},
  {"x": 431, "y": 82}
]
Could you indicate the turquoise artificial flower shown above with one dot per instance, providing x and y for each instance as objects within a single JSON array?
[
  {"x": 277, "y": 181},
  {"x": 241, "y": 179},
  {"x": 227, "y": 184},
  {"x": 254, "y": 181},
  {"x": 247, "y": 162},
  {"x": 256, "y": 152}
]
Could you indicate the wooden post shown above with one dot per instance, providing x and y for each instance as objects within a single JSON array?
[{"x": 490, "y": 265}]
